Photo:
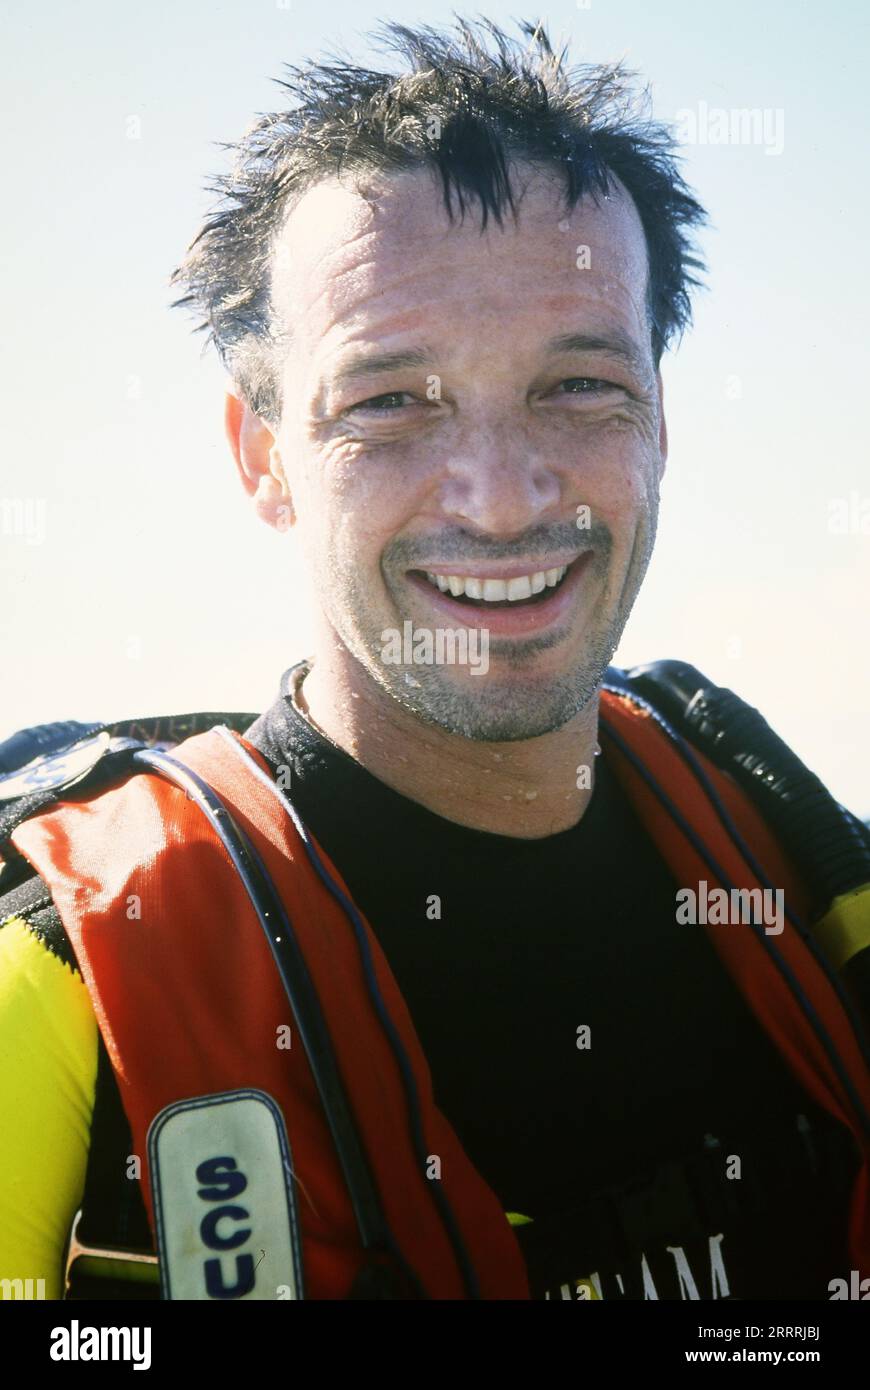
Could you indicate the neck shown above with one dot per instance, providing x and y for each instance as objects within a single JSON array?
[{"x": 526, "y": 789}]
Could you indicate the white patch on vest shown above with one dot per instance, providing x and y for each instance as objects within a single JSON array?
[
  {"x": 224, "y": 1200},
  {"x": 48, "y": 772}
]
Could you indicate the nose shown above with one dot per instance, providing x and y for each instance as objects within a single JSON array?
[{"x": 496, "y": 482}]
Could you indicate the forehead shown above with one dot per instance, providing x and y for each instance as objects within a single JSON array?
[{"x": 354, "y": 261}]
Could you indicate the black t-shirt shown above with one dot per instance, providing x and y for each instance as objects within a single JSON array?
[{"x": 667, "y": 1153}]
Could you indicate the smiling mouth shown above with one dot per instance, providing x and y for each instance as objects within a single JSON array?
[{"x": 521, "y": 591}]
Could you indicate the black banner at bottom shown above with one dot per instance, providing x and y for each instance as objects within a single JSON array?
[{"x": 196, "y": 1339}]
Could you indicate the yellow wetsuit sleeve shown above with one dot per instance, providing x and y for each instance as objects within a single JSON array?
[{"x": 48, "y": 1071}]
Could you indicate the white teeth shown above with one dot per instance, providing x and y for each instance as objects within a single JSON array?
[
  {"x": 498, "y": 590},
  {"x": 519, "y": 588},
  {"x": 495, "y": 590}
]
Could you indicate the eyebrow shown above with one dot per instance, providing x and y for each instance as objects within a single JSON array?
[
  {"x": 615, "y": 344},
  {"x": 381, "y": 362}
]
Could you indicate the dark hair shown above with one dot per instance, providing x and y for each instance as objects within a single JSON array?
[{"x": 464, "y": 107}]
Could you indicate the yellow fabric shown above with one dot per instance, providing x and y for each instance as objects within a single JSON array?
[
  {"x": 48, "y": 1072},
  {"x": 845, "y": 928}
]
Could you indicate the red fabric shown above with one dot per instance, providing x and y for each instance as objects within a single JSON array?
[
  {"x": 189, "y": 1002},
  {"x": 744, "y": 955}
]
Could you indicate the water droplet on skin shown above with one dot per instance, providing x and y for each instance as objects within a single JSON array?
[{"x": 530, "y": 796}]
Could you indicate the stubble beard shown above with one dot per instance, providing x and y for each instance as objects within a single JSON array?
[{"x": 496, "y": 708}]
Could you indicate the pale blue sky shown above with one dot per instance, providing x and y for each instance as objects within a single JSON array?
[{"x": 135, "y": 579}]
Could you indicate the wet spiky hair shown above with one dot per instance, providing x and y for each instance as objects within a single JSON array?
[{"x": 468, "y": 104}]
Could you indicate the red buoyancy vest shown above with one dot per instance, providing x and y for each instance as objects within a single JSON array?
[{"x": 189, "y": 1002}]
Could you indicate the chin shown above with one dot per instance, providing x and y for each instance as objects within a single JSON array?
[{"x": 500, "y": 710}]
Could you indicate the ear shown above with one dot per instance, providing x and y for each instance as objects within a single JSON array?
[
  {"x": 663, "y": 427},
  {"x": 258, "y": 461}
]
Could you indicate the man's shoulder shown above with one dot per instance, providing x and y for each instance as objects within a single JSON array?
[
  {"x": 763, "y": 786},
  {"x": 39, "y": 762},
  {"x": 44, "y": 763}
]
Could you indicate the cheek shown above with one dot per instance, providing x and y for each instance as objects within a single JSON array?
[
  {"x": 621, "y": 490},
  {"x": 619, "y": 478},
  {"x": 356, "y": 510}
]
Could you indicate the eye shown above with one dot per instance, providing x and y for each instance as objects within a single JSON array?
[
  {"x": 382, "y": 405},
  {"x": 587, "y": 386}
]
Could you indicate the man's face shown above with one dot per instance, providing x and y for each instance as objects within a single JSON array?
[{"x": 464, "y": 406}]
